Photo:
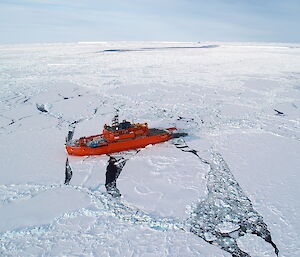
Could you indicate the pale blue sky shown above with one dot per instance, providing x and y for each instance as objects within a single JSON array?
[{"x": 32, "y": 21}]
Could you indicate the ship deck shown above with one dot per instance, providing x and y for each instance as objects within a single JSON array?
[{"x": 154, "y": 131}]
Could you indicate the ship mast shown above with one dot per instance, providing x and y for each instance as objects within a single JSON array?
[{"x": 115, "y": 120}]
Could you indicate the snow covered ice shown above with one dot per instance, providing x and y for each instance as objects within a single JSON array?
[{"x": 229, "y": 188}]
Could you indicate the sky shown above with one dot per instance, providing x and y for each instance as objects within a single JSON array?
[{"x": 42, "y": 21}]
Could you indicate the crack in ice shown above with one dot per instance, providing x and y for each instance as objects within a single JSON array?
[{"x": 226, "y": 204}]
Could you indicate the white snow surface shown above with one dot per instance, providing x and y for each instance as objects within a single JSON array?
[{"x": 224, "y": 95}]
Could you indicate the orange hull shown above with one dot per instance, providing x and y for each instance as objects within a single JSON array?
[{"x": 119, "y": 146}]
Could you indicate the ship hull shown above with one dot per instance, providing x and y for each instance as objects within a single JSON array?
[{"x": 118, "y": 146}]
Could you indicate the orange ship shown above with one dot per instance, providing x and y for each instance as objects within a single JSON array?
[{"x": 117, "y": 138}]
